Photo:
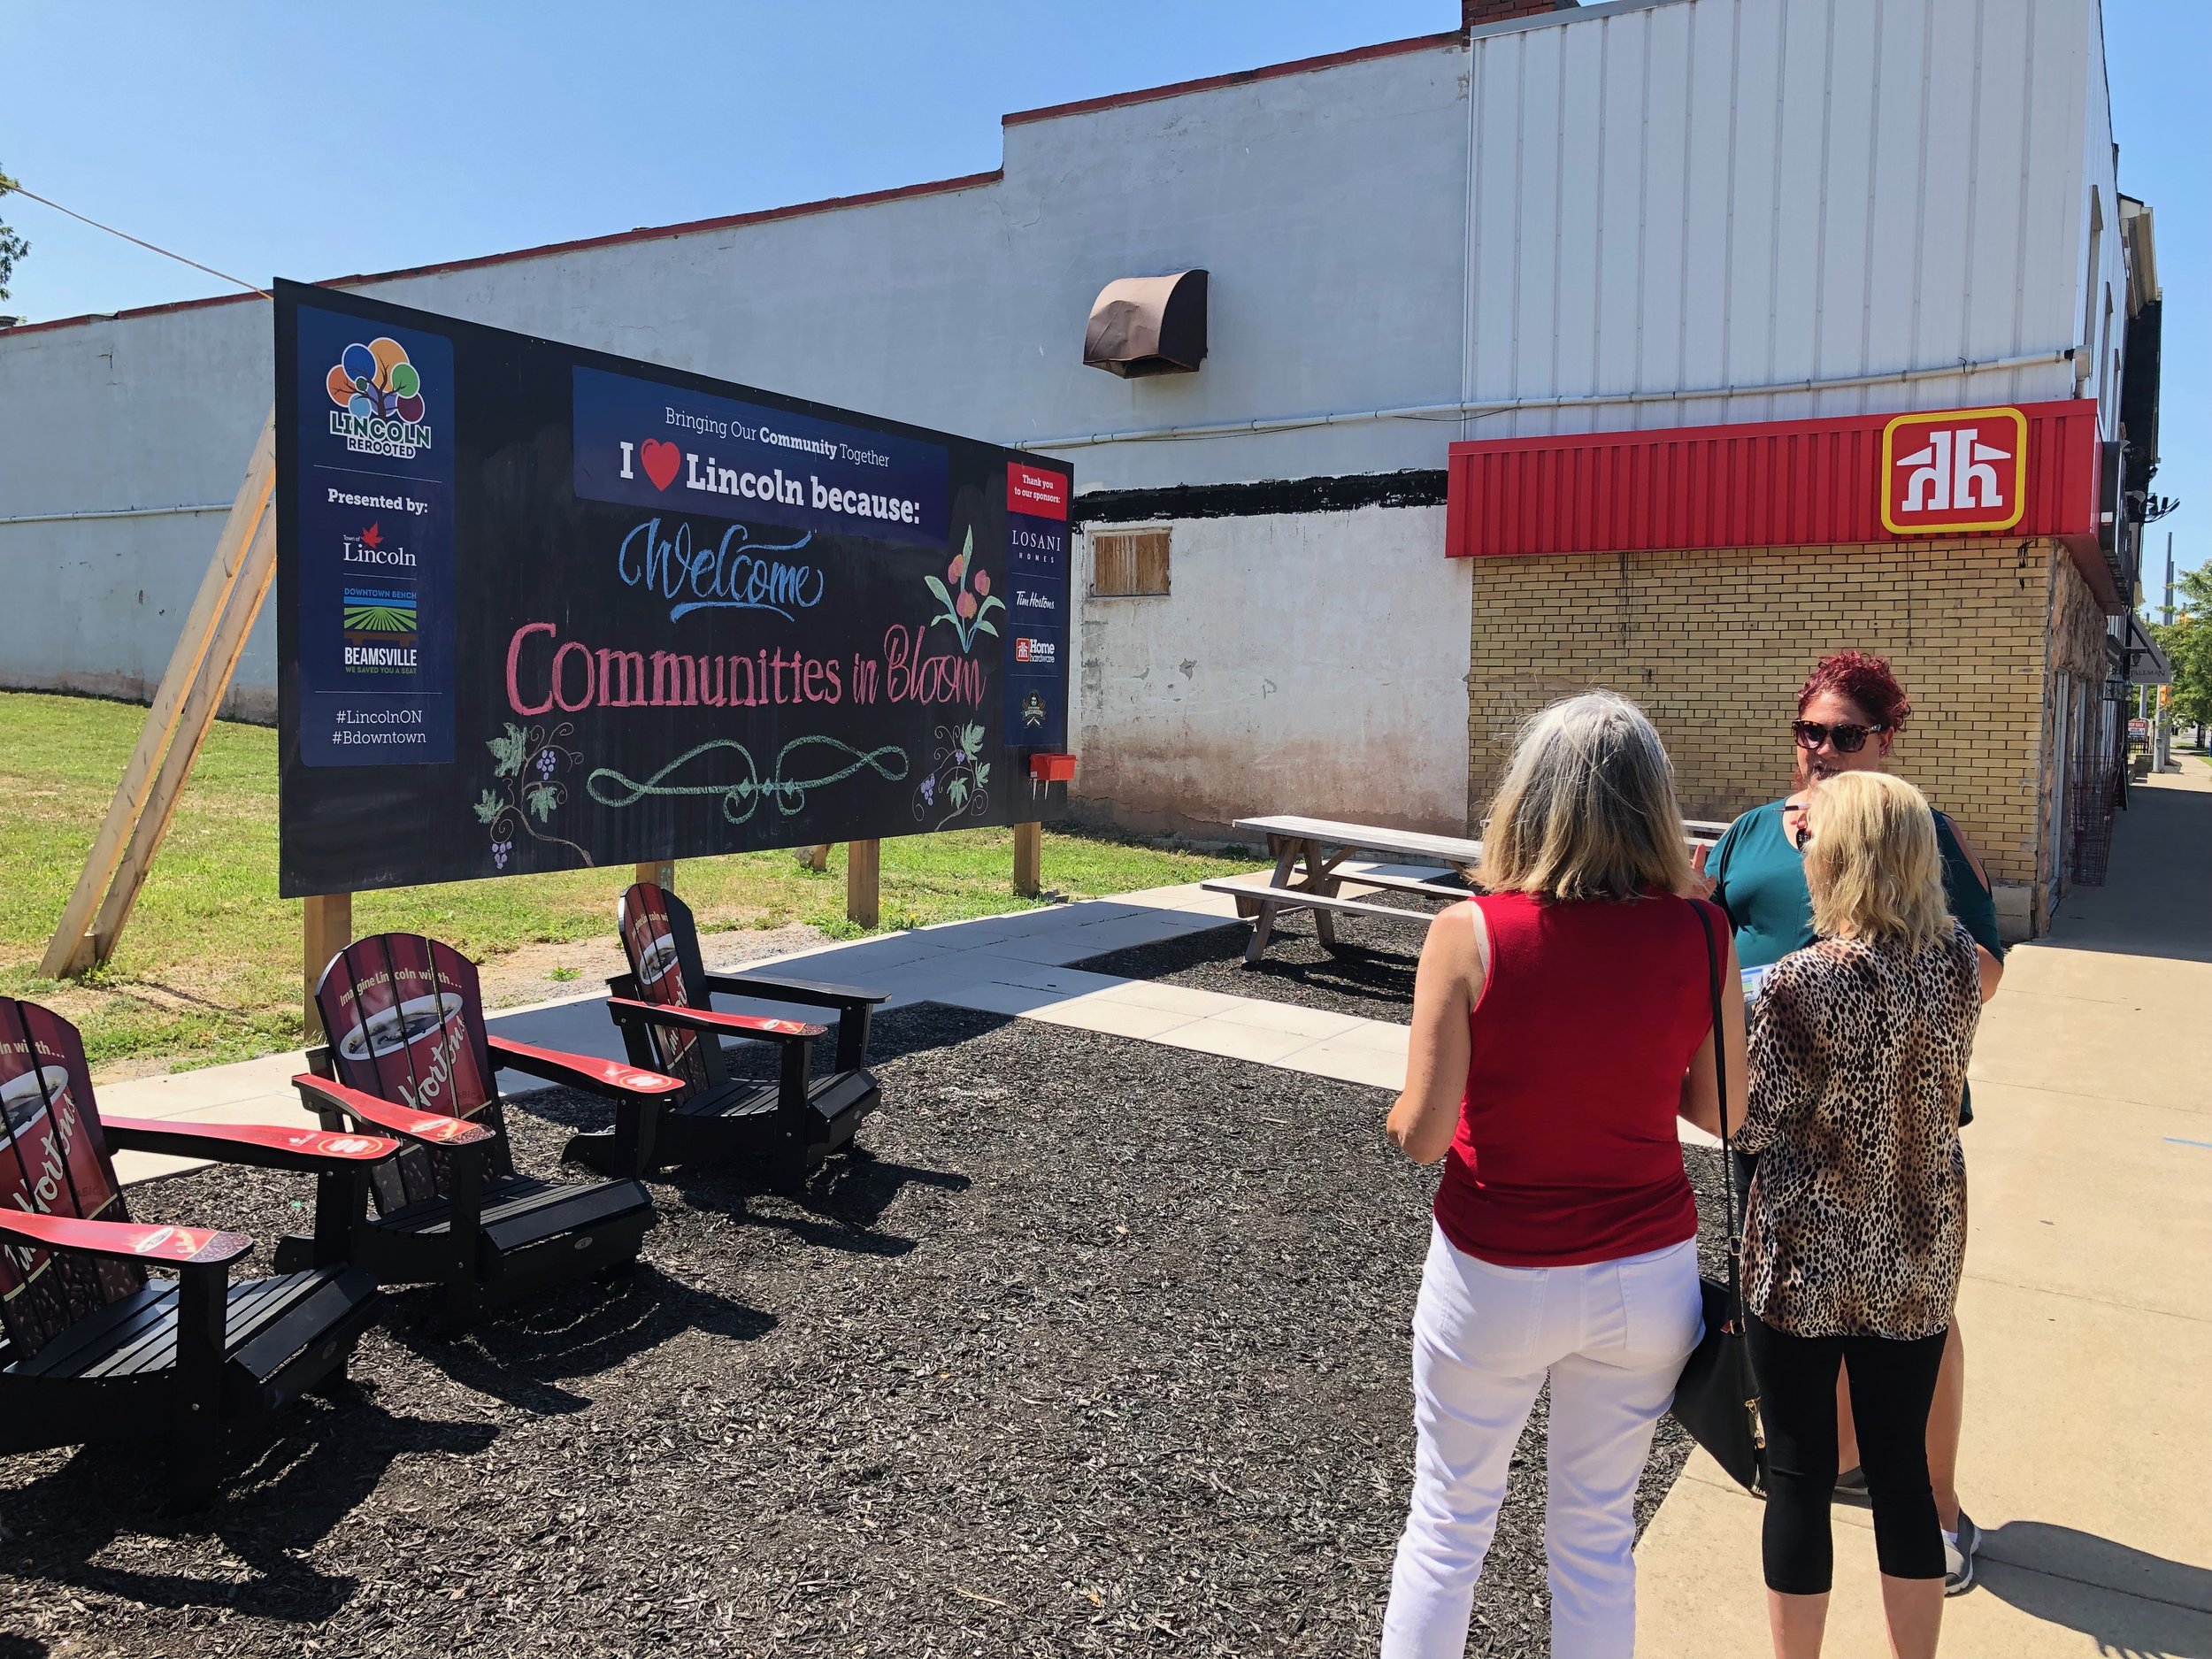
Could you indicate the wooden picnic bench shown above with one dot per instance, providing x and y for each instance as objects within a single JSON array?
[{"x": 1308, "y": 854}]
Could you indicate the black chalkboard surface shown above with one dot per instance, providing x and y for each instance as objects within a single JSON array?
[{"x": 540, "y": 608}]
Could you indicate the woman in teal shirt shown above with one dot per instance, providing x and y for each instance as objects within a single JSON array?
[{"x": 1849, "y": 714}]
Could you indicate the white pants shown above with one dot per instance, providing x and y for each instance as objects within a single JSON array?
[{"x": 1613, "y": 1336}]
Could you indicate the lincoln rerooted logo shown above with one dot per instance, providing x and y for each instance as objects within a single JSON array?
[{"x": 1955, "y": 470}]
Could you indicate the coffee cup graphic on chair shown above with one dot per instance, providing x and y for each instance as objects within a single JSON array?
[
  {"x": 656, "y": 959},
  {"x": 22, "y": 1100},
  {"x": 389, "y": 1030}
]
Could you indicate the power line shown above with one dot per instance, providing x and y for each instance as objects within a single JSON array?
[{"x": 17, "y": 190}]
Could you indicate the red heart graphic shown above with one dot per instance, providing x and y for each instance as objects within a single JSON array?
[{"x": 661, "y": 461}]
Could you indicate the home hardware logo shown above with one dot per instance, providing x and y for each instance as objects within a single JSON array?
[
  {"x": 380, "y": 399},
  {"x": 1955, "y": 470}
]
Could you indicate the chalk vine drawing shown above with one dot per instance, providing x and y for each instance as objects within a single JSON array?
[
  {"x": 528, "y": 763},
  {"x": 970, "y": 601},
  {"x": 741, "y": 798},
  {"x": 955, "y": 783}
]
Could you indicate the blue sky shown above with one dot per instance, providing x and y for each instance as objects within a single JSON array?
[{"x": 320, "y": 141}]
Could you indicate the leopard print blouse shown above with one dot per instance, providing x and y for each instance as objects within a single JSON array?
[{"x": 1857, "y": 1217}]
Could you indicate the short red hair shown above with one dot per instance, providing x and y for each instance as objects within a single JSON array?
[{"x": 1865, "y": 679}]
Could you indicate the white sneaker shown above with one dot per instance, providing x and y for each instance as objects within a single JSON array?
[{"x": 1959, "y": 1550}]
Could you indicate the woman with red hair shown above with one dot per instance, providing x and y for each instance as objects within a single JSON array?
[{"x": 1849, "y": 712}]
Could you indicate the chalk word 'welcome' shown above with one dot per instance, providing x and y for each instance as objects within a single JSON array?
[{"x": 730, "y": 575}]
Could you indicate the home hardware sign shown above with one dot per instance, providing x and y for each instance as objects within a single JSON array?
[{"x": 540, "y": 608}]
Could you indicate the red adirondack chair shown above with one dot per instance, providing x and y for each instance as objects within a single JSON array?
[
  {"x": 665, "y": 1009},
  {"x": 409, "y": 1057},
  {"x": 96, "y": 1349}
]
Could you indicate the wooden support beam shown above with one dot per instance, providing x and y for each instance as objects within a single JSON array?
[
  {"x": 864, "y": 893},
  {"x": 326, "y": 923},
  {"x": 201, "y": 703},
  {"x": 71, "y": 949},
  {"x": 1029, "y": 857},
  {"x": 662, "y": 874}
]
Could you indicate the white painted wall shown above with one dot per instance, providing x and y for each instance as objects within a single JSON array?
[
  {"x": 1645, "y": 195},
  {"x": 1309, "y": 662}
]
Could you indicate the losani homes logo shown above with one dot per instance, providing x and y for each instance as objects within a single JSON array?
[{"x": 379, "y": 394}]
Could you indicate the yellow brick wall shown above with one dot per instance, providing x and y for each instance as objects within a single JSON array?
[{"x": 1714, "y": 646}]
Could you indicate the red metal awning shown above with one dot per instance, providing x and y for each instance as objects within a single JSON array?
[{"x": 2024, "y": 470}]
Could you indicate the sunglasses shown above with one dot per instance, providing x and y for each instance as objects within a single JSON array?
[{"x": 1845, "y": 739}]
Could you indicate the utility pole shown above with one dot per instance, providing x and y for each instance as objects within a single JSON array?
[{"x": 2161, "y": 739}]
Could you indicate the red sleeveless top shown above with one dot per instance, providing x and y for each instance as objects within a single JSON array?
[{"x": 1589, "y": 1014}]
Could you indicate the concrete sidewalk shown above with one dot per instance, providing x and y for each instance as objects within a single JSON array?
[
  {"x": 2087, "y": 1306},
  {"x": 1018, "y": 964}
]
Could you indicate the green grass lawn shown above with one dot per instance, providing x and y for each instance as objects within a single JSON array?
[{"x": 209, "y": 969}]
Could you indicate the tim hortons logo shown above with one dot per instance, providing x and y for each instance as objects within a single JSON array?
[{"x": 1955, "y": 470}]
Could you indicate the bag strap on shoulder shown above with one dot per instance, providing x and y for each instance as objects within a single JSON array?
[{"x": 1720, "y": 1090}]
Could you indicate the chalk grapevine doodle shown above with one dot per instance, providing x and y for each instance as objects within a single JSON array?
[{"x": 679, "y": 618}]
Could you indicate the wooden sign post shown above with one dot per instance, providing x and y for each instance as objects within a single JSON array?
[
  {"x": 328, "y": 924},
  {"x": 864, "y": 894},
  {"x": 1029, "y": 849}
]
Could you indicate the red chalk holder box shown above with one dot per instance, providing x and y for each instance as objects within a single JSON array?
[
  {"x": 1051, "y": 768},
  {"x": 1047, "y": 770}
]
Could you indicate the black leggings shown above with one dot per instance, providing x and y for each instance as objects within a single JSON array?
[{"x": 1892, "y": 1386}]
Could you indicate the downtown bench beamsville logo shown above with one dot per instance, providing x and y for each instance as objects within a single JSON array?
[
  {"x": 379, "y": 622},
  {"x": 379, "y": 397}
]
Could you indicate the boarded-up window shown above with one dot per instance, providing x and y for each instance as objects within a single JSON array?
[{"x": 1125, "y": 563}]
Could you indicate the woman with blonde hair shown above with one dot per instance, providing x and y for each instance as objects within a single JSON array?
[
  {"x": 1561, "y": 1021},
  {"x": 1856, "y": 1224}
]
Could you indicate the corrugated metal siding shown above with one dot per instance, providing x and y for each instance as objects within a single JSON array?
[
  {"x": 1747, "y": 192},
  {"x": 1775, "y": 484}
]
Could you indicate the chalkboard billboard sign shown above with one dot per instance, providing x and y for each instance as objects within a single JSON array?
[{"x": 542, "y": 608}]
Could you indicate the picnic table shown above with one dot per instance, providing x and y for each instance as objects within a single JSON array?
[{"x": 1310, "y": 851}]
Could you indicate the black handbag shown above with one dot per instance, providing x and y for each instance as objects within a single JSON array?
[{"x": 1716, "y": 1399}]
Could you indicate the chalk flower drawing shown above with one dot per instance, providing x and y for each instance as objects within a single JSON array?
[
  {"x": 968, "y": 602},
  {"x": 741, "y": 797},
  {"x": 527, "y": 762},
  {"x": 956, "y": 779}
]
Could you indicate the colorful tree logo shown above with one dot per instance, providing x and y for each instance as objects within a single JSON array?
[
  {"x": 968, "y": 600},
  {"x": 377, "y": 380}
]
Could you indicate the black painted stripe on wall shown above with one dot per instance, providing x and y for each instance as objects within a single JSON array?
[{"x": 1418, "y": 486}]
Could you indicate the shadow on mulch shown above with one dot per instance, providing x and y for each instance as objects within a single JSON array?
[
  {"x": 1369, "y": 971},
  {"x": 1106, "y": 1352}
]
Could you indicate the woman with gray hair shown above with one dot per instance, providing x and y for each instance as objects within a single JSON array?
[{"x": 1561, "y": 1021}]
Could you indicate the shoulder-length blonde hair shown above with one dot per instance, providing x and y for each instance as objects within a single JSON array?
[
  {"x": 1872, "y": 863},
  {"x": 1587, "y": 808}
]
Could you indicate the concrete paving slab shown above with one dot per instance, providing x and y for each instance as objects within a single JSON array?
[
  {"x": 1151, "y": 994},
  {"x": 2028, "y": 1038},
  {"x": 1698, "y": 1571},
  {"x": 1315, "y": 1025},
  {"x": 1220, "y": 1035},
  {"x": 1350, "y": 1062},
  {"x": 1109, "y": 1018},
  {"x": 2040, "y": 1209}
]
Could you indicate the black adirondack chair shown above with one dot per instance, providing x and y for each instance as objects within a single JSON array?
[
  {"x": 665, "y": 1007},
  {"x": 98, "y": 1350},
  {"x": 409, "y": 1057}
]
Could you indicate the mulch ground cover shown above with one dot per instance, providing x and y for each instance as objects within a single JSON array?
[{"x": 1101, "y": 1348}]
